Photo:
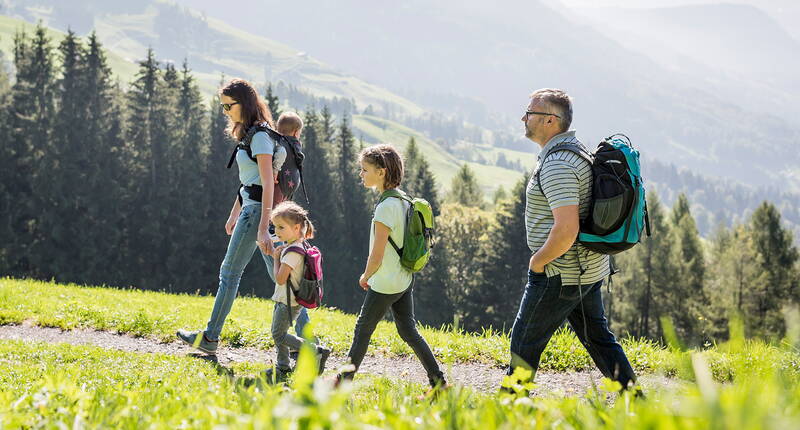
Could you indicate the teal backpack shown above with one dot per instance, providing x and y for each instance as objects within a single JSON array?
[
  {"x": 618, "y": 213},
  {"x": 418, "y": 232}
]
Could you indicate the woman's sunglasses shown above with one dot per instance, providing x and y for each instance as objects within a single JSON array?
[{"x": 228, "y": 106}]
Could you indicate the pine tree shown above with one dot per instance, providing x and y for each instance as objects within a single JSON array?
[
  {"x": 103, "y": 147},
  {"x": 356, "y": 213},
  {"x": 7, "y": 165},
  {"x": 688, "y": 297},
  {"x": 272, "y": 102},
  {"x": 641, "y": 291},
  {"x": 190, "y": 151},
  {"x": 148, "y": 160},
  {"x": 504, "y": 265},
  {"x": 418, "y": 179},
  {"x": 30, "y": 123},
  {"x": 731, "y": 275},
  {"x": 777, "y": 259},
  {"x": 69, "y": 169},
  {"x": 461, "y": 236},
  {"x": 464, "y": 188},
  {"x": 500, "y": 194}
]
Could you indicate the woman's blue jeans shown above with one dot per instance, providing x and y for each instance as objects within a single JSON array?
[{"x": 241, "y": 247}]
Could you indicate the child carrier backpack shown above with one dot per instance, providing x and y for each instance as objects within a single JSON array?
[
  {"x": 418, "y": 232},
  {"x": 618, "y": 211},
  {"x": 290, "y": 176},
  {"x": 308, "y": 293}
]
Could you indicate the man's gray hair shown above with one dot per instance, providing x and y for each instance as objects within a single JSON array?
[{"x": 560, "y": 101}]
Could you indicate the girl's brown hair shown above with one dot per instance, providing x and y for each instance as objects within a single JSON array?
[
  {"x": 294, "y": 213},
  {"x": 386, "y": 157},
  {"x": 253, "y": 108}
]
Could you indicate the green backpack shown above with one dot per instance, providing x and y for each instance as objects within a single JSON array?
[{"x": 418, "y": 231}]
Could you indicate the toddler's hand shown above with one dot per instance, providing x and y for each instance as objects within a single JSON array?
[{"x": 276, "y": 253}]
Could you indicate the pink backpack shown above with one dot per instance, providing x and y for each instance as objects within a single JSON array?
[{"x": 309, "y": 293}]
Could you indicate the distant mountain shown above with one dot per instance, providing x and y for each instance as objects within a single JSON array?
[
  {"x": 736, "y": 50},
  {"x": 212, "y": 47},
  {"x": 498, "y": 52},
  {"x": 785, "y": 12},
  {"x": 126, "y": 34}
]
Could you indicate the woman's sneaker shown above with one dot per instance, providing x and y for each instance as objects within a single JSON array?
[{"x": 198, "y": 339}]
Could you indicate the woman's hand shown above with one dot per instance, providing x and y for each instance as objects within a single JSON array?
[
  {"x": 264, "y": 242},
  {"x": 363, "y": 282},
  {"x": 230, "y": 224}
]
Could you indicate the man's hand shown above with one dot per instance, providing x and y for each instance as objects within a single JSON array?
[{"x": 535, "y": 266}]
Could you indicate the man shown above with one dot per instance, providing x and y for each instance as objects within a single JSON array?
[{"x": 564, "y": 278}]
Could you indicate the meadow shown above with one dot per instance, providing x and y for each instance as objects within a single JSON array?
[{"x": 742, "y": 384}]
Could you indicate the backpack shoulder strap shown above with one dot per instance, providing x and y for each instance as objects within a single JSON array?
[
  {"x": 394, "y": 192},
  {"x": 575, "y": 148},
  {"x": 270, "y": 132},
  {"x": 296, "y": 249}
]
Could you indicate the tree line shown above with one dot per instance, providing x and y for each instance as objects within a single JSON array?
[{"x": 128, "y": 187}]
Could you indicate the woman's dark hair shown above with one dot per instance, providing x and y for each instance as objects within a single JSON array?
[
  {"x": 386, "y": 157},
  {"x": 253, "y": 108}
]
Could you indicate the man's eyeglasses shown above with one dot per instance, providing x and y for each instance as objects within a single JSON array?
[
  {"x": 531, "y": 112},
  {"x": 228, "y": 106}
]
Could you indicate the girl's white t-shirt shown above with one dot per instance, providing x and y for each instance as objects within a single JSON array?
[
  {"x": 297, "y": 263},
  {"x": 391, "y": 277}
]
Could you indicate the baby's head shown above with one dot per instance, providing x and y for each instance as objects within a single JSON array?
[{"x": 290, "y": 124}]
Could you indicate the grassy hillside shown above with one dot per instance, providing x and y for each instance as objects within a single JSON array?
[
  {"x": 123, "y": 68},
  {"x": 57, "y": 385},
  {"x": 443, "y": 164},
  {"x": 225, "y": 49}
]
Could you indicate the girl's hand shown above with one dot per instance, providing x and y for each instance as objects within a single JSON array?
[
  {"x": 362, "y": 281},
  {"x": 276, "y": 254},
  {"x": 229, "y": 225}
]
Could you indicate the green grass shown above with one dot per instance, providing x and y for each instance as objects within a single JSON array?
[
  {"x": 159, "y": 315},
  {"x": 61, "y": 386}
]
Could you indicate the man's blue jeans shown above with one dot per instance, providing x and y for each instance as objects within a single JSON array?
[
  {"x": 546, "y": 304},
  {"x": 241, "y": 247}
]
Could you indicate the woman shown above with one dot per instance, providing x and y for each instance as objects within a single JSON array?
[{"x": 248, "y": 223}]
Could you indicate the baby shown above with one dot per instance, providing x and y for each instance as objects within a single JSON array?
[{"x": 289, "y": 125}]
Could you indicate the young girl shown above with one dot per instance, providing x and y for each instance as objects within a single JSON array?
[
  {"x": 388, "y": 284},
  {"x": 292, "y": 226},
  {"x": 248, "y": 222}
]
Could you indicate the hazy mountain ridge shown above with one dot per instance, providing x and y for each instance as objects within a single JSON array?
[{"x": 401, "y": 135}]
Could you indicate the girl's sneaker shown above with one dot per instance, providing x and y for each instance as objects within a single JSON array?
[
  {"x": 276, "y": 375},
  {"x": 198, "y": 339},
  {"x": 434, "y": 392}
]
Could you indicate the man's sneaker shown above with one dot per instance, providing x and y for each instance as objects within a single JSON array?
[
  {"x": 276, "y": 375},
  {"x": 198, "y": 339},
  {"x": 323, "y": 354}
]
